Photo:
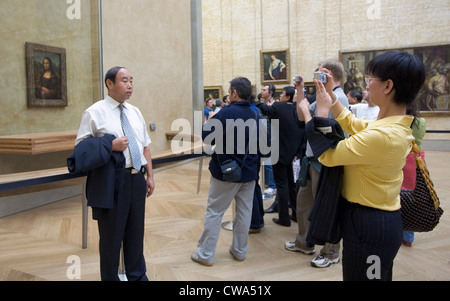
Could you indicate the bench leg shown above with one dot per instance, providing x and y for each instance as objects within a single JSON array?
[
  {"x": 84, "y": 215},
  {"x": 200, "y": 167}
]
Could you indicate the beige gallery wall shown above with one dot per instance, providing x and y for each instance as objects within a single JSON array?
[
  {"x": 151, "y": 38},
  {"x": 45, "y": 22},
  {"x": 234, "y": 33}
]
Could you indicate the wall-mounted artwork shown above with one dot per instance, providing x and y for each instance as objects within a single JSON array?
[
  {"x": 275, "y": 67},
  {"x": 46, "y": 76},
  {"x": 435, "y": 93},
  {"x": 212, "y": 92}
]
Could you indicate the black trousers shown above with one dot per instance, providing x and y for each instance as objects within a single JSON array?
[
  {"x": 258, "y": 206},
  {"x": 123, "y": 224},
  {"x": 371, "y": 239},
  {"x": 286, "y": 191}
]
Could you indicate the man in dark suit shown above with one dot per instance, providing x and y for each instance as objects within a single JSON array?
[
  {"x": 290, "y": 138},
  {"x": 120, "y": 218}
]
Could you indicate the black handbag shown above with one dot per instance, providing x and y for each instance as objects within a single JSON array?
[
  {"x": 420, "y": 207},
  {"x": 231, "y": 171}
]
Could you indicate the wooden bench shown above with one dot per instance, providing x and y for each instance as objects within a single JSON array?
[
  {"x": 40, "y": 143},
  {"x": 37, "y": 143},
  {"x": 33, "y": 178},
  {"x": 17, "y": 181},
  {"x": 48, "y": 142}
]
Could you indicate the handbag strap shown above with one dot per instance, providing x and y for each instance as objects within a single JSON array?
[
  {"x": 422, "y": 167},
  {"x": 243, "y": 161}
]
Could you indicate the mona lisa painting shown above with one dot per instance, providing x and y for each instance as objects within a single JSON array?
[{"x": 46, "y": 76}]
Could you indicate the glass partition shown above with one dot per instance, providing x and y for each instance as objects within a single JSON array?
[{"x": 51, "y": 69}]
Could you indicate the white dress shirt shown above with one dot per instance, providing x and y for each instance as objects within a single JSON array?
[
  {"x": 362, "y": 110},
  {"x": 103, "y": 117}
]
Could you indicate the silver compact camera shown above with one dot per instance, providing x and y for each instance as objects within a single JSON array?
[
  {"x": 297, "y": 79},
  {"x": 322, "y": 76}
]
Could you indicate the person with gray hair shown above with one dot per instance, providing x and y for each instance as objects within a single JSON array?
[
  {"x": 219, "y": 105},
  {"x": 310, "y": 173}
]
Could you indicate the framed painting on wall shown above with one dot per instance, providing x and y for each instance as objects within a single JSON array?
[
  {"x": 275, "y": 67},
  {"x": 46, "y": 76},
  {"x": 434, "y": 97},
  {"x": 212, "y": 92}
]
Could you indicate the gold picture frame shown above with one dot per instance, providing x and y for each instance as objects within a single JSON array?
[
  {"x": 46, "y": 75},
  {"x": 212, "y": 92},
  {"x": 275, "y": 66},
  {"x": 433, "y": 98}
]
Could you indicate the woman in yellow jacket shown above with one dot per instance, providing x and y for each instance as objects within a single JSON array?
[{"x": 373, "y": 157}]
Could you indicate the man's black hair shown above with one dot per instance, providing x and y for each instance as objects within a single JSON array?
[
  {"x": 356, "y": 93},
  {"x": 272, "y": 89},
  {"x": 111, "y": 74},
  {"x": 290, "y": 92},
  {"x": 243, "y": 87}
]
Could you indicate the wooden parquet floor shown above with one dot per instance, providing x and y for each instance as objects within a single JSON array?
[{"x": 35, "y": 244}]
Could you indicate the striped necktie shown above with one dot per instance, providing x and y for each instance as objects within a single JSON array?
[{"x": 133, "y": 147}]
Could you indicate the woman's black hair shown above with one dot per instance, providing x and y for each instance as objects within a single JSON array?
[{"x": 406, "y": 71}]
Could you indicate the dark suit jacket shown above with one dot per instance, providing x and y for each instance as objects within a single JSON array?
[
  {"x": 239, "y": 110},
  {"x": 105, "y": 169},
  {"x": 324, "y": 226},
  {"x": 290, "y": 134}
]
